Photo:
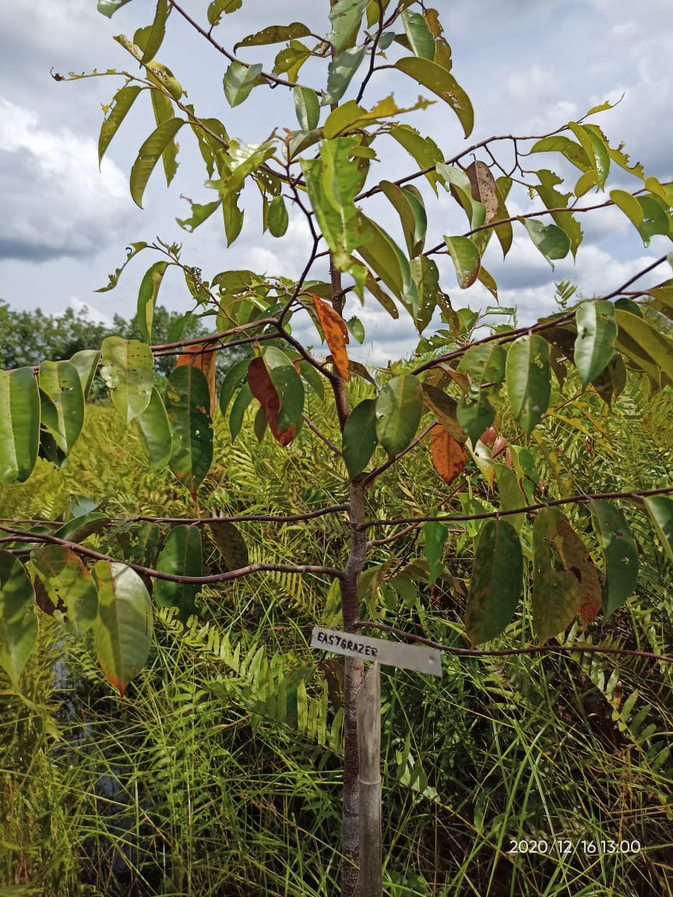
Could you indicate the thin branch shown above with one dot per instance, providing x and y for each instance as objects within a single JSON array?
[
  {"x": 514, "y": 652},
  {"x": 241, "y": 518},
  {"x": 328, "y": 442},
  {"x": 274, "y": 80},
  {"x": 229, "y": 576},
  {"x": 369, "y": 479},
  {"x": 213, "y": 337},
  {"x": 528, "y": 509},
  {"x": 372, "y": 56}
]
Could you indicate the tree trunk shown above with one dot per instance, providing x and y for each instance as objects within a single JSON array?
[{"x": 369, "y": 744}]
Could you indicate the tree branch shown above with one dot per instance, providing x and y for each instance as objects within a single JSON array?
[
  {"x": 369, "y": 479},
  {"x": 328, "y": 442}
]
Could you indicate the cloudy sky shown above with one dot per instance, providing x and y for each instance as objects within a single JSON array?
[{"x": 529, "y": 66}]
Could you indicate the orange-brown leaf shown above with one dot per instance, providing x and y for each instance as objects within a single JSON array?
[
  {"x": 448, "y": 455},
  {"x": 205, "y": 361},
  {"x": 336, "y": 333},
  {"x": 262, "y": 388}
]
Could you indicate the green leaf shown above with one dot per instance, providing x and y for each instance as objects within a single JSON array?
[
  {"x": 63, "y": 414},
  {"x": 619, "y": 552},
  {"x": 236, "y": 374},
  {"x": 113, "y": 279},
  {"x": 462, "y": 190},
  {"x": 218, "y": 8},
  {"x": 345, "y": 16},
  {"x": 475, "y": 414},
  {"x": 188, "y": 404},
  {"x": 123, "y": 628},
  {"x": 128, "y": 370},
  {"x": 418, "y": 34},
  {"x": 155, "y": 431},
  {"x": 157, "y": 32},
  {"x": 423, "y": 150},
  {"x": 497, "y": 582},
  {"x": 182, "y": 555},
  {"x": 231, "y": 546},
  {"x": 149, "y": 154},
  {"x": 81, "y": 527},
  {"x": 239, "y": 79},
  {"x": 147, "y": 297},
  {"x": 19, "y": 424},
  {"x": 434, "y": 539},
  {"x": 595, "y": 342},
  {"x": 238, "y": 409},
  {"x": 356, "y": 328},
  {"x": 660, "y": 509},
  {"x": 655, "y": 219},
  {"x": 445, "y": 410},
  {"x": 274, "y": 34},
  {"x": 278, "y": 218},
  {"x": 556, "y": 593},
  {"x": 121, "y": 103},
  {"x": 466, "y": 259},
  {"x": 359, "y": 436},
  {"x": 69, "y": 584},
  {"x": 86, "y": 364},
  {"x": 412, "y": 215},
  {"x": 529, "y": 380},
  {"x": 442, "y": 83},
  {"x": 399, "y": 408},
  {"x": 630, "y": 207},
  {"x": 109, "y": 7},
  {"x": 558, "y": 144},
  {"x": 18, "y": 622},
  {"x": 552, "y": 242},
  {"x": 555, "y": 199},
  {"x": 655, "y": 347},
  {"x": 200, "y": 213},
  {"x": 307, "y": 108},
  {"x": 425, "y": 273},
  {"x": 340, "y": 74},
  {"x": 595, "y": 148},
  {"x": 387, "y": 260},
  {"x": 313, "y": 378},
  {"x": 288, "y": 386}
]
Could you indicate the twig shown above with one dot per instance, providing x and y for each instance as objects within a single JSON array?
[
  {"x": 328, "y": 442},
  {"x": 369, "y": 479}
]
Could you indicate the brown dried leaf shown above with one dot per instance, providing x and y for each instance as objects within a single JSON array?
[
  {"x": 484, "y": 188},
  {"x": 336, "y": 333},
  {"x": 577, "y": 560},
  {"x": 262, "y": 388},
  {"x": 205, "y": 361},
  {"x": 447, "y": 454}
]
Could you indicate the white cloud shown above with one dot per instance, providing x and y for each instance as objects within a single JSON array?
[
  {"x": 55, "y": 201},
  {"x": 93, "y": 314}
]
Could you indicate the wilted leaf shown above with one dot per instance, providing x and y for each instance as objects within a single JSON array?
[
  {"x": 448, "y": 456},
  {"x": 231, "y": 546},
  {"x": 263, "y": 389},
  {"x": 205, "y": 359},
  {"x": 336, "y": 334}
]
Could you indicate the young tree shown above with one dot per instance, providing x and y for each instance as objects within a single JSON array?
[{"x": 463, "y": 375}]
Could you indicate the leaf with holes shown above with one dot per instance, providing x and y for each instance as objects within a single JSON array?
[
  {"x": 182, "y": 555},
  {"x": 442, "y": 83},
  {"x": 497, "y": 582},
  {"x": 448, "y": 456},
  {"x": 63, "y": 412},
  {"x": 128, "y": 370},
  {"x": 19, "y": 424},
  {"x": 121, "y": 103},
  {"x": 122, "y": 630},
  {"x": 18, "y": 622},
  {"x": 619, "y": 552},
  {"x": 149, "y": 154}
]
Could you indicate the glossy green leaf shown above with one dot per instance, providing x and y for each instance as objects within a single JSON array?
[
  {"x": 187, "y": 403},
  {"x": 660, "y": 509},
  {"x": 529, "y": 380},
  {"x": 278, "y": 218},
  {"x": 340, "y": 74},
  {"x": 387, "y": 260},
  {"x": 18, "y": 622},
  {"x": 157, "y": 32},
  {"x": 147, "y": 298},
  {"x": 630, "y": 206},
  {"x": 182, "y": 555},
  {"x": 497, "y": 582},
  {"x": 81, "y": 527},
  {"x": 239, "y": 79},
  {"x": 307, "y": 108},
  {"x": 552, "y": 242},
  {"x": 412, "y": 215},
  {"x": 418, "y": 34},
  {"x": 619, "y": 552},
  {"x": 63, "y": 414},
  {"x": 423, "y": 150},
  {"x": 231, "y": 546},
  {"x": 238, "y": 410},
  {"x": 359, "y": 436},
  {"x": 121, "y": 103},
  {"x": 442, "y": 83},
  {"x": 466, "y": 259},
  {"x": 655, "y": 219},
  {"x": 595, "y": 342},
  {"x": 313, "y": 378},
  {"x": 274, "y": 34},
  {"x": 461, "y": 188},
  {"x": 236, "y": 374},
  {"x": 155, "y": 431},
  {"x": 357, "y": 329},
  {"x": 19, "y": 424},
  {"x": 653, "y": 345},
  {"x": 287, "y": 383},
  {"x": 69, "y": 585},
  {"x": 86, "y": 364},
  {"x": 434, "y": 540},
  {"x": 123, "y": 628},
  {"x": 149, "y": 154},
  {"x": 484, "y": 364},
  {"x": 569, "y": 148},
  {"x": 399, "y": 408},
  {"x": 345, "y": 16},
  {"x": 128, "y": 370}
]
